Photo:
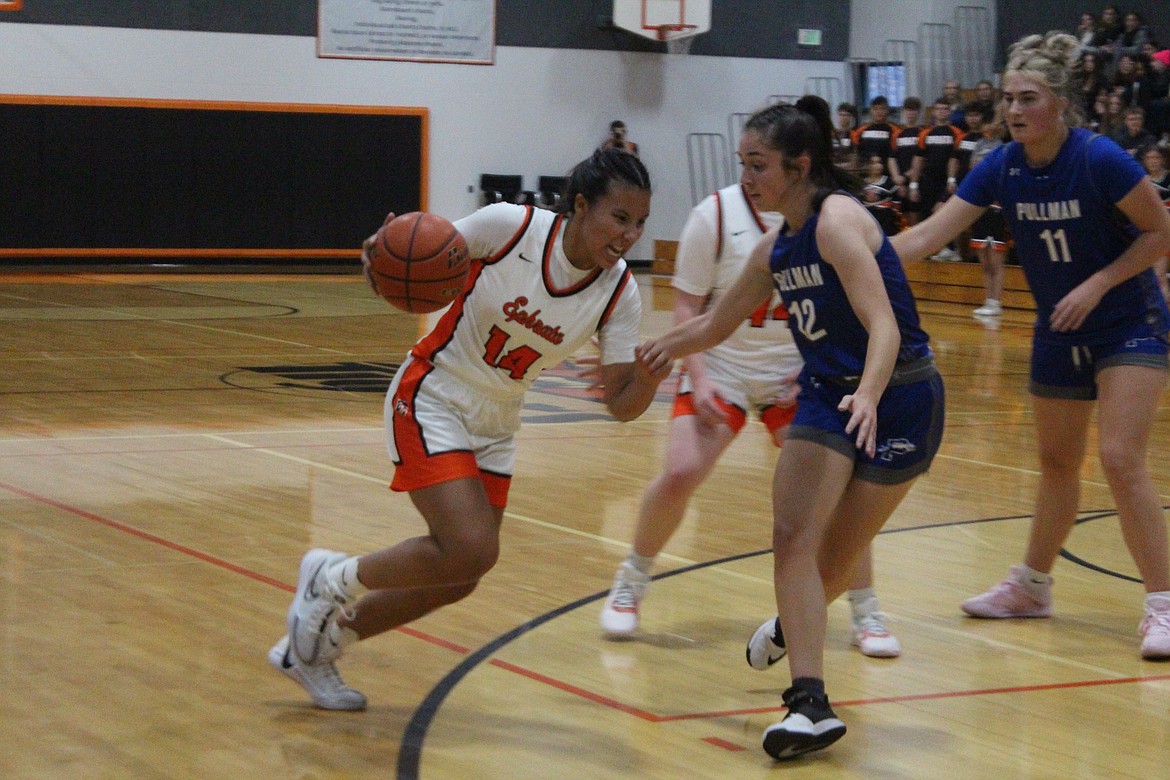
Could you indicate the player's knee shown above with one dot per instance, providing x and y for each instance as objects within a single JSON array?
[
  {"x": 1060, "y": 461},
  {"x": 683, "y": 477},
  {"x": 459, "y": 592},
  {"x": 471, "y": 556},
  {"x": 1120, "y": 463},
  {"x": 788, "y": 534}
]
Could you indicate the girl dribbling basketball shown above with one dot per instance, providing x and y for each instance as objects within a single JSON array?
[{"x": 541, "y": 285}]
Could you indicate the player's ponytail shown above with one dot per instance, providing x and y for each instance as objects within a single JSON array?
[
  {"x": 805, "y": 129},
  {"x": 593, "y": 176}
]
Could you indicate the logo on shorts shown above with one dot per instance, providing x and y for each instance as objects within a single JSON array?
[
  {"x": 401, "y": 407},
  {"x": 894, "y": 448}
]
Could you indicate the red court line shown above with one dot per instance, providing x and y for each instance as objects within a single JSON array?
[
  {"x": 379, "y": 442},
  {"x": 148, "y": 537},
  {"x": 558, "y": 684},
  {"x": 573, "y": 689},
  {"x": 206, "y": 558},
  {"x": 929, "y": 696}
]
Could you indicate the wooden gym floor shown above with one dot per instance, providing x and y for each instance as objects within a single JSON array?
[{"x": 170, "y": 445}]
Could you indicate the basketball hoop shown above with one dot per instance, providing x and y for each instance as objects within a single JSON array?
[{"x": 677, "y": 37}]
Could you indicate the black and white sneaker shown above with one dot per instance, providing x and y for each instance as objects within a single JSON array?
[
  {"x": 766, "y": 646},
  {"x": 321, "y": 680},
  {"x": 810, "y": 725},
  {"x": 315, "y": 604}
]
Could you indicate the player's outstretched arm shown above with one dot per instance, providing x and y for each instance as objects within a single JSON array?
[
  {"x": 753, "y": 286},
  {"x": 932, "y": 233}
]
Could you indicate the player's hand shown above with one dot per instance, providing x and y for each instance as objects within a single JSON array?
[
  {"x": 789, "y": 390},
  {"x": 589, "y": 367},
  {"x": 707, "y": 407},
  {"x": 656, "y": 355},
  {"x": 862, "y": 420},
  {"x": 367, "y": 248},
  {"x": 653, "y": 376},
  {"x": 1070, "y": 311}
]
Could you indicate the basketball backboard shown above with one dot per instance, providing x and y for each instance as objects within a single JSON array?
[{"x": 663, "y": 20}]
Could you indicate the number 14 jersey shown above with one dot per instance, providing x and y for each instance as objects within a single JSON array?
[{"x": 525, "y": 307}]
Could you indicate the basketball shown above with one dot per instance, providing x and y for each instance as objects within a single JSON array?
[{"x": 418, "y": 262}]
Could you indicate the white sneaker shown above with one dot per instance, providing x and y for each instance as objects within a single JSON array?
[
  {"x": 947, "y": 255},
  {"x": 766, "y": 646},
  {"x": 989, "y": 309},
  {"x": 1155, "y": 629},
  {"x": 619, "y": 615},
  {"x": 315, "y": 603},
  {"x": 870, "y": 634},
  {"x": 321, "y": 680}
]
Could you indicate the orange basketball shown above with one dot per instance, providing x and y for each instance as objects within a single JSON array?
[{"x": 419, "y": 262}]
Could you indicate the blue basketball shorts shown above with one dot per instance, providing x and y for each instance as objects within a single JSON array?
[
  {"x": 1068, "y": 371},
  {"x": 910, "y": 425}
]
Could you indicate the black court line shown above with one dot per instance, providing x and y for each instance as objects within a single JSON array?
[{"x": 411, "y": 748}]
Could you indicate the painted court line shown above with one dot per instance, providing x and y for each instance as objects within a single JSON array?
[
  {"x": 202, "y": 556},
  {"x": 927, "y": 697},
  {"x": 149, "y": 537},
  {"x": 382, "y": 481},
  {"x": 553, "y": 682}
]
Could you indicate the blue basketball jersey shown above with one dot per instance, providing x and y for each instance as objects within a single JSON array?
[
  {"x": 831, "y": 338},
  {"x": 1066, "y": 226}
]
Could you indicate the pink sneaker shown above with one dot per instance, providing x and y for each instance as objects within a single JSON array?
[
  {"x": 1155, "y": 629},
  {"x": 1009, "y": 599}
]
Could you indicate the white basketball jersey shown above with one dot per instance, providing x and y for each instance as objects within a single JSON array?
[
  {"x": 718, "y": 236},
  {"x": 525, "y": 308}
]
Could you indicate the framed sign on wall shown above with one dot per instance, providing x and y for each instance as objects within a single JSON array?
[{"x": 459, "y": 31}]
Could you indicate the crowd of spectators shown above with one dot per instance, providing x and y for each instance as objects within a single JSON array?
[
  {"x": 1123, "y": 67},
  {"x": 913, "y": 159}
]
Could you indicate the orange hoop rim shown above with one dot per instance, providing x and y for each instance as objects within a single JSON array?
[{"x": 664, "y": 30}]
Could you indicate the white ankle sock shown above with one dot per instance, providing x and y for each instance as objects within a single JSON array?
[
  {"x": 345, "y": 574},
  {"x": 343, "y": 637},
  {"x": 1158, "y": 594},
  {"x": 862, "y": 601},
  {"x": 1036, "y": 583},
  {"x": 859, "y": 595},
  {"x": 643, "y": 563}
]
